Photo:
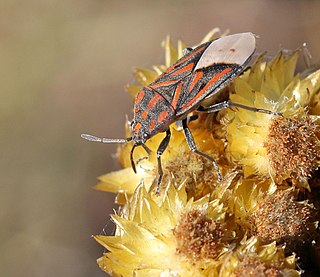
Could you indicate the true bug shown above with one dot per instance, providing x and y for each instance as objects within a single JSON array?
[{"x": 201, "y": 73}]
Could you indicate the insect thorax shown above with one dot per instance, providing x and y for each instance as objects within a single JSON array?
[{"x": 152, "y": 114}]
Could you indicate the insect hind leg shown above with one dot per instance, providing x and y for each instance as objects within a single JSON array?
[
  {"x": 193, "y": 147},
  {"x": 227, "y": 104}
]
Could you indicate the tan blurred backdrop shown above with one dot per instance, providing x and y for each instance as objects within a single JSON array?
[{"x": 63, "y": 68}]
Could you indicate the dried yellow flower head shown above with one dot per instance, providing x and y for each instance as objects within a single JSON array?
[
  {"x": 152, "y": 234},
  {"x": 198, "y": 236},
  {"x": 243, "y": 197},
  {"x": 282, "y": 219},
  {"x": 266, "y": 145},
  {"x": 253, "y": 266},
  {"x": 194, "y": 170},
  {"x": 252, "y": 258},
  {"x": 293, "y": 148}
]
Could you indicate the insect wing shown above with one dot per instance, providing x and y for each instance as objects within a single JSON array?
[
  {"x": 220, "y": 63},
  {"x": 169, "y": 82},
  {"x": 233, "y": 49}
]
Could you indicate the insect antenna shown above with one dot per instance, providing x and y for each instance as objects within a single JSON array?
[{"x": 105, "y": 140}]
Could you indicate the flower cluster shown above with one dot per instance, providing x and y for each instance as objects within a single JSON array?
[{"x": 261, "y": 219}]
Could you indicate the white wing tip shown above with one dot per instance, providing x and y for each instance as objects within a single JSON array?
[{"x": 232, "y": 49}]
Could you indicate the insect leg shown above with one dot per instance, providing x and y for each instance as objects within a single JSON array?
[
  {"x": 189, "y": 119},
  {"x": 193, "y": 147},
  {"x": 228, "y": 104},
  {"x": 162, "y": 147},
  {"x": 192, "y": 118},
  {"x": 147, "y": 149},
  {"x": 131, "y": 159}
]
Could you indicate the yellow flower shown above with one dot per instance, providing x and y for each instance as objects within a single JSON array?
[
  {"x": 271, "y": 213},
  {"x": 279, "y": 217},
  {"x": 167, "y": 235},
  {"x": 197, "y": 226},
  {"x": 243, "y": 196},
  {"x": 283, "y": 148},
  {"x": 255, "y": 259}
]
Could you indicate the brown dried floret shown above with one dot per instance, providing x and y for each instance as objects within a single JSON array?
[
  {"x": 282, "y": 219},
  {"x": 196, "y": 171},
  {"x": 293, "y": 148},
  {"x": 198, "y": 236},
  {"x": 254, "y": 267}
]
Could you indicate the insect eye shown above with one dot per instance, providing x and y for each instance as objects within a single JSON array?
[{"x": 145, "y": 135}]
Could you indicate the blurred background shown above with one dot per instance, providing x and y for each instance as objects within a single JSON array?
[{"x": 63, "y": 69}]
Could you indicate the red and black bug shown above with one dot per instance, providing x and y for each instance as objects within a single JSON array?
[{"x": 201, "y": 73}]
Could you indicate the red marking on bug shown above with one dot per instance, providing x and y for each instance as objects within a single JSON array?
[
  {"x": 162, "y": 116},
  {"x": 144, "y": 115},
  {"x": 163, "y": 84},
  {"x": 204, "y": 89},
  {"x": 139, "y": 96},
  {"x": 153, "y": 102},
  {"x": 176, "y": 95},
  {"x": 152, "y": 124},
  {"x": 185, "y": 59},
  {"x": 188, "y": 67},
  {"x": 137, "y": 127},
  {"x": 195, "y": 80}
]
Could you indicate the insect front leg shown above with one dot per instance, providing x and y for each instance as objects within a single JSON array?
[
  {"x": 162, "y": 147},
  {"x": 193, "y": 147},
  {"x": 146, "y": 148},
  {"x": 227, "y": 104}
]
